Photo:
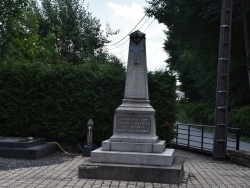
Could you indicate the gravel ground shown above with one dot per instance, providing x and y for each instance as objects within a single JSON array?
[{"x": 12, "y": 163}]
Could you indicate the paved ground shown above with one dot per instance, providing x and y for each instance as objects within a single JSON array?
[{"x": 203, "y": 172}]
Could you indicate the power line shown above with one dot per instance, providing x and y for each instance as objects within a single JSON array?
[
  {"x": 143, "y": 24},
  {"x": 128, "y": 33},
  {"x": 120, "y": 44},
  {"x": 149, "y": 26},
  {"x": 121, "y": 51},
  {"x": 137, "y": 24},
  {"x": 131, "y": 32},
  {"x": 128, "y": 39}
]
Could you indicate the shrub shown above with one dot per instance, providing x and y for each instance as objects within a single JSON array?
[
  {"x": 163, "y": 99},
  {"x": 56, "y": 101},
  {"x": 240, "y": 118},
  {"x": 200, "y": 113}
]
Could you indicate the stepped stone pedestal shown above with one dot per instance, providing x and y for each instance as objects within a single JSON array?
[
  {"x": 20, "y": 147},
  {"x": 134, "y": 152}
]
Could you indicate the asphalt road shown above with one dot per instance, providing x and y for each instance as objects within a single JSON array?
[{"x": 196, "y": 139}]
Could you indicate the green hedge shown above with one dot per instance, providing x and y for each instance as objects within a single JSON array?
[
  {"x": 163, "y": 99},
  {"x": 56, "y": 101},
  {"x": 240, "y": 118},
  {"x": 199, "y": 113}
]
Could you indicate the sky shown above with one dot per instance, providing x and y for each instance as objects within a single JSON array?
[{"x": 123, "y": 15}]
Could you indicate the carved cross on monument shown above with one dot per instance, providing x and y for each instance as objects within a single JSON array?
[
  {"x": 136, "y": 50},
  {"x": 136, "y": 38}
]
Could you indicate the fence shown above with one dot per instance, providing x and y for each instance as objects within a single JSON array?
[{"x": 200, "y": 137}]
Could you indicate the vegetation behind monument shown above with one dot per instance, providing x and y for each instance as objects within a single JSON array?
[
  {"x": 56, "y": 74},
  {"x": 56, "y": 101},
  {"x": 192, "y": 42}
]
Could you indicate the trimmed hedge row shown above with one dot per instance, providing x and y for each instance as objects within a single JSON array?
[{"x": 56, "y": 101}]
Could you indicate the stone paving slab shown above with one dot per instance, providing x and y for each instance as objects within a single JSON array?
[
  {"x": 217, "y": 174},
  {"x": 202, "y": 173}
]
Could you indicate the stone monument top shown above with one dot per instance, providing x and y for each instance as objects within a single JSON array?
[{"x": 136, "y": 79}]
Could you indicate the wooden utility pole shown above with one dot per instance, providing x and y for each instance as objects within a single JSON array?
[{"x": 221, "y": 110}]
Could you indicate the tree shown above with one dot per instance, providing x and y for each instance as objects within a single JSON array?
[
  {"x": 10, "y": 25},
  {"x": 192, "y": 44},
  {"x": 51, "y": 32},
  {"x": 20, "y": 39},
  {"x": 187, "y": 43},
  {"x": 78, "y": 34}
]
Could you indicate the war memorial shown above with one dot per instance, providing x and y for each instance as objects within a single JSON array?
[{"x": 134, "y": 151}]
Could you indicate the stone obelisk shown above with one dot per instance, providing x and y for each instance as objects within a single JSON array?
[
  {"x": 134, "y": 120},
  {"x": 133, "y": 152}
]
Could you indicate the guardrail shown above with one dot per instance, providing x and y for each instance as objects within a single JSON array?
[{"x": 200, "y": 137}]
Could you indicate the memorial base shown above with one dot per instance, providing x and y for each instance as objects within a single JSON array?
[
  {"x": 126, "y": 172},
  {"x": 137, "y": 158},
  {"x": 134, "y": 152}
]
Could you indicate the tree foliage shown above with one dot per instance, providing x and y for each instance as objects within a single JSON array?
[
  {"x": 51, "y": 31},
  {"x": 241, "y": 118},
  {"x": 163, "y": 99},
  {"x": 192, "y": 43},
  {"x": 55, "y": 73},
  {"x": 78, "y": 34}
]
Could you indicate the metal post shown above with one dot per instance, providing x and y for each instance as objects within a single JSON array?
[
  {"x": 221, "y": 110},
  {"x": 88, "y": 148},
  {"x": 177, "y": 127},
  {"x": 188, "y": 135},
  {"x": 90, "y": 132},
  {"x": 202, "y": 137},
  {"x": 238, "y": 139}
]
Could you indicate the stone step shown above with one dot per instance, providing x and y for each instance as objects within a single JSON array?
[
  {"x": 128, "y": 172},
  {"x": 34, "y": 152},
  {"x": 20, "y": 142},
  {"x": 158, "y": 147},
  {"x": 137, "y": 158}
]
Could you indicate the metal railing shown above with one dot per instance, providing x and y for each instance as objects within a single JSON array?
[{"x": 200, "y": 137}]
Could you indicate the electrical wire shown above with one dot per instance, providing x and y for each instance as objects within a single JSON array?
[
  {"x": 120, "y": 44},
  {"x": 131, "y": 32},
  {"x": 143, "y": 24},
  {"x": 148, "y": 26},
  {"x": 128, "y": 39},
  {"x": 121, "y": 51},
  {"x": 137, "y": 24},
  {"x": 128, "y": 33},
  {"x": 65, "y": 152}
]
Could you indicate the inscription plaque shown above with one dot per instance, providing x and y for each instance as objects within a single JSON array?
[
  {"x": 136, "y": 83},
  {"x": 134, "y": 124}
]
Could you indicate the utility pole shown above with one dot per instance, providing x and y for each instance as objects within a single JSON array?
[{"x": 221, "y": 110}]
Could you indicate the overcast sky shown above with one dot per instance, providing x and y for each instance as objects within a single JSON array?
[{"x": 123, "y": 15}]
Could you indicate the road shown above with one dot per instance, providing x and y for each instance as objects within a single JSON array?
[{"x": 196, "y": 139}]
